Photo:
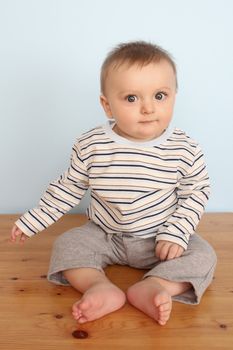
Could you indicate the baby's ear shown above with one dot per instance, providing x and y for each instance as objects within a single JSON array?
[{"x": 105, "y": 104}]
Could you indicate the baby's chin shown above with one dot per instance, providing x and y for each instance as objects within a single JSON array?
[
  {"x": 145, "y": 133},
  {"x": 149, "y": 136}
]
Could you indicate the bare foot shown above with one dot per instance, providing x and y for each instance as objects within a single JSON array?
[
  {"x": 151, "y": 298},
  {"x": 101, "y": 299}
]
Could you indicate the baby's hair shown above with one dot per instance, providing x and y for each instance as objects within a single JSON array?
[{"x": 135, "y": 52}]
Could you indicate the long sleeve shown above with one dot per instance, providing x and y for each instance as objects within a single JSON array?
[
  {"x": 192, "y": 192},
  {"x": 61, "y": 196}
]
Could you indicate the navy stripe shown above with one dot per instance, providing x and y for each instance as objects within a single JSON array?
[
  {"x": 179, "y": 229},
  {"x": 118, "y": 190},
  {"x": 131, "y": 166},
  {"x": 128, "y": 222},
  {"x": 172, "y": 235},
  {"x": 146, "y": 233},
  {"x": 196, "y": 174},
  {"x": 180, "y": 172},
  {"x": 132, "y": 178},
  {"x": 180, "y": 140},
  {"x": 187, "y": 184},
  {"x": 174, "y": 149},
  {"x": 184, "y": 218},
  {"x": 186, "y": 208},
  {"x": 69, "y": 178},
  {"x": 82, "y": 139},
  {"x": 207, "y": 197},
  {"x": 47, "y": 204},
  {"x": 78, "y": 171},
  {"x": 135, "y": 153},
  {"x": 96, "y": 143},
  {"x": 27, "y": 226},
  {"x": 77, "y": 154},
  {"x": 150, "y": 207},
  {"x": 101, "y": 204},
  {"x": 48, "y": 215},
  {"x": 153, "y": 206},
  {"x": 84, "y": 188},
  {"x": 36, "y": 219},
  {"x": 135, "y": 200},
  {"x": 60, "y": 200},
  {"x": 193, "y": 199},
  {"x": 200, "y": 156},
  {"x": 70, "y": 194}
]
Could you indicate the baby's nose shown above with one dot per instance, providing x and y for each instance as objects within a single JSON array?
[{"x": 147, "y": 107}]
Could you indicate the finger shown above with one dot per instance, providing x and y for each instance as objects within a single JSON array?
[
  {"x": 23, "y": 238},
  {"x": 17, "y": 233},
  {"x": 179, "y": 252},
  {"x": 14, "y": 229},
  {"x": 172, "y": 252},
  {"x": 158, "y": 248},
  {"x": 164, "y": 252}
]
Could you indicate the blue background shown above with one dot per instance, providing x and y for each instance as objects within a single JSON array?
[{"x": 50, "y": 57}]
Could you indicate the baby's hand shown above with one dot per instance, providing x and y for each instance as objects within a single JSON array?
[
  {"x": 165, "y": 250},
  {"x": 17, "y": 233}
]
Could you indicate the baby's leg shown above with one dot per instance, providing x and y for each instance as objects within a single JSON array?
[
  {"x": 153, "y": 297},
  {"x": 183, "y": 279},
  {"x": 78, "y": 259},
  {"x": 100, "y": 297}
]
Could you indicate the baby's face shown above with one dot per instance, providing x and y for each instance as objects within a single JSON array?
[{"x": 140, "y": 99}]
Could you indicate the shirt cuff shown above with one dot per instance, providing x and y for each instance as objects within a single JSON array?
[{"x": 181, "y": 241}]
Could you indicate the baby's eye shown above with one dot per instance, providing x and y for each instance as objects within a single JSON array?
[
  {"x": 160, "y": 96},
  {"x": 131, "y": 98}
]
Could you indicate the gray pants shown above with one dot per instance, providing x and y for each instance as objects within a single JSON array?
[{"x": 89, "y": 246}]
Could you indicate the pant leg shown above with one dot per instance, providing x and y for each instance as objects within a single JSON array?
[
  {"x": 82, "y": 247},
  {"x": 196, "y": 266}
]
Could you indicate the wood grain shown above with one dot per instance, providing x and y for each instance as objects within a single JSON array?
[{"x": 36, "y": 314}]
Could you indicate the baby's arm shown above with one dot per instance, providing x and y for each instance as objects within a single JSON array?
[
  {"x": 17, "y": 234},
  {"x": 61, "y": 196},
  {"x": 192, "y": 191},
  {"x": 165, "y": 250}
]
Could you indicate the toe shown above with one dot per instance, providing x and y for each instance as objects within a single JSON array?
[
  {"x": 76, "y": 315},
  {"x": 162, "y": 322},
  {"x": 164, "y": 317},
  {"x": 162, "y": 299},
  {"x": 165, "y": 307},
  {"x": 78, "y": 308},
  {"x": 85, "y": 305},
  {"x": 165, "y": 313},
  {"x": 82, "y": 319}
]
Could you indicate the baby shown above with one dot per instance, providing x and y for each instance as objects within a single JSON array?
[{"x": 149, "y": 186}]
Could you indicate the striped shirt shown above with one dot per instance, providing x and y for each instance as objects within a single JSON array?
[{"x": 157, "y": 188}]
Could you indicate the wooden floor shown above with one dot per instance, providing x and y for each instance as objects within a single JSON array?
[{"x": 35, "y": 314}]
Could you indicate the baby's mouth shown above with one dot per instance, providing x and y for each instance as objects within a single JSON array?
[{"x": 148, "y": 121}]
